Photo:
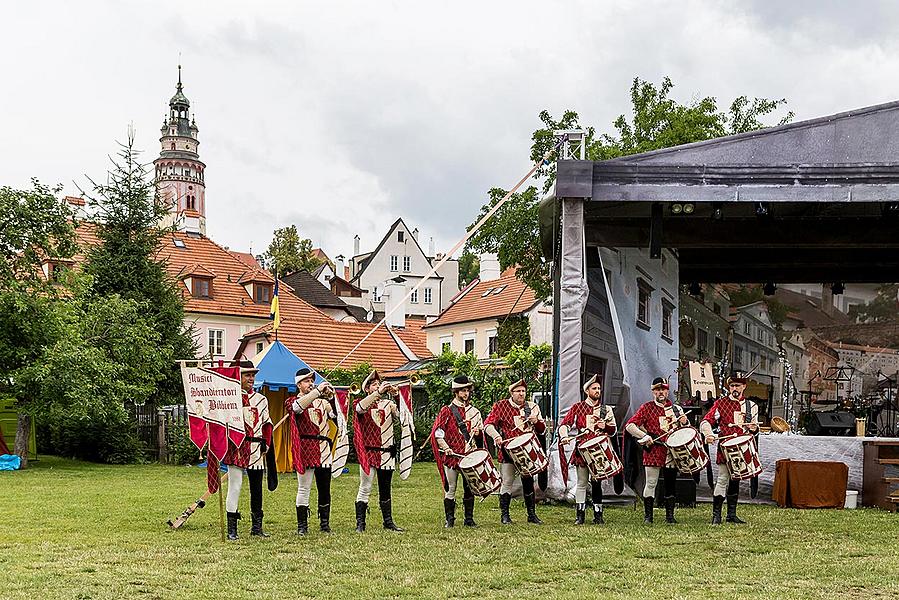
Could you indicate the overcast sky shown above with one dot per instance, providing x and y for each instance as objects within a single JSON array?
[{"x": 342, "y": 116}]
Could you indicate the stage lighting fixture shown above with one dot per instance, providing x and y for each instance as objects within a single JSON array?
[
  {"x": 837, "y": 289},
  {"x": 689, "y": 208},
  {"x": 677, "y": 208},
  {"x": 695, "y": 288},
  {"x": 769, "y": 289},
  {"x": 717, "y": 212},
  {"x": 762, "y": 209}
]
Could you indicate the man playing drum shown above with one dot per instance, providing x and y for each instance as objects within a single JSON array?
[
  {"x": 734, "y": 415},
  {"x": 654, "y": 420},
  {"x": 587, "y": 420},
  {"x": 514, "y": 416},
  {"x": 455, "y": 431},
  {"x": 375, "y": 448}
]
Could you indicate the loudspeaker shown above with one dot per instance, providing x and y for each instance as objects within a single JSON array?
[
  {"x": 831, "y": 423},
  {"x": 684, "y": 491}
]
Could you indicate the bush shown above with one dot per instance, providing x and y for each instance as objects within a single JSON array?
[
  {"x": 110, "y": 440},
  {"x": 182, "y": 451}
]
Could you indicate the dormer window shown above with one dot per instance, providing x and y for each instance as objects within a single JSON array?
[
  {"x": 262, "y": 293},
  {"x": 201, "y": 287}
]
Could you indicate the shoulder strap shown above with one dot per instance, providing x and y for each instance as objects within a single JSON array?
[
  {"x": 460, "y": 423},
  {"x": 527, "y": 409}
]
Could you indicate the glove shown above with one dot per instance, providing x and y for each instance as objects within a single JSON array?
[{"x": 645, "y": 440}]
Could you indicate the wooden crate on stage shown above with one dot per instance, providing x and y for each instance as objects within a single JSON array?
[{"x": 881, "y": 474}]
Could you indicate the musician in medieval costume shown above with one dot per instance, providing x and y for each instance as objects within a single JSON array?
[
  {"x": 508, "y": 419},
  {"x": 458, "y": 429},
  {"x": 311, "y": 446},
  {"x": 586, "y": 420},
  {"x": 650, "y": 425},
  {"x": 733, "y": 415},
  {"x": 376, "y": 448},
  {"x": 249, "y": 457}
]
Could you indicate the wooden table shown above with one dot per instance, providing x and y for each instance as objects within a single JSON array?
[{"x": 810, "y": 484}]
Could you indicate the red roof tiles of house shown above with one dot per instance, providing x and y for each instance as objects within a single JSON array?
[
  {"x": 246, "y": 258},
  {"x": 489, "y": 300}
]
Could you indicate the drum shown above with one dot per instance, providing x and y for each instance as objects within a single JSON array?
[
  {"x": 741, "y": 456},
  {"x": 598, "y": 453},
  {"x": 478, "y": 470},
  {"x": 526, "y": 454},
  {"x": 686, "y": 450}
]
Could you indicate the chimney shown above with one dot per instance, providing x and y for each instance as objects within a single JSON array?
[
  {"x": 338, "y": 266},
  {"x": 489, "y": 267},
  {"x": 415, "y": 233},
  {"x": 827, "y": 299},
  {"x": 356, "y": 245},
  {"x": 395, "y": 292},
  {"x": 431, "y": 247}
]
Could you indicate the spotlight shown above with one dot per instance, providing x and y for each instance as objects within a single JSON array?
[
  {"x": 677, "y": 208},
  {"x": 769, "y": 289},
  {"x": 837, "y": 289},
  {"x": 762, "y": 209},
  {"x": 890, "y": 209},
  {"x": 695, "y": 288},
  {"x": 717, "y": 212},
  {"x": 689, "y": 208}
]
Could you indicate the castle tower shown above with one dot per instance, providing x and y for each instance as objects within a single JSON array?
[{"x": 180, "y": 174}]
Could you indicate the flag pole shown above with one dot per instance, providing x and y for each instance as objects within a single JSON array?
[{"x": 221, "y": 502}]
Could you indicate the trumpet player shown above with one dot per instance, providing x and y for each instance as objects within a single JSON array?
[
  {"x": 733, "y": 415},
  {"x": 652, "y": 422},
  {"x": 375, "y": 447},
  {"x": 513, "y": 417},
  {"x": 311, "y": 409},
  {"x": 456, "y": 431}
]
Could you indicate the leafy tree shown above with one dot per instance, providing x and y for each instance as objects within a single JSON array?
[
  {"x": 657, "y": 121},
  {"x": 469, "y": 267},
  {"x": 747, "y": 294},
  {"x": 288, "y": 253},
  {"x": 885, "y": 307},
  {"x": 513, "y": 331}
]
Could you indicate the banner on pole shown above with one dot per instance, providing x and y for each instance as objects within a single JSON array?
[
  {"x": 702, "y": 380},
  {"x": 214, "y": 407}
]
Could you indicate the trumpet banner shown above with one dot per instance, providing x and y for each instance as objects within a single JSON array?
[
  {"x": 339, "y": 432},
  {"x": 407, "y": 431}
]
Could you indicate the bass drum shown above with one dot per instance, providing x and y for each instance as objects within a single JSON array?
[
  {"x": 686, "y": 450},
  {"x": 478, "y": 470},
  {"x": 526, "y": 454},
  {"x": 599, "y": 454},
  {"x": 741, "y": 457}
]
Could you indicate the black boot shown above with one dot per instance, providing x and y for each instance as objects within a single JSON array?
[
  {"x": 530, "y": 503},
  {"x": 449, "y": 509},
  {"x": 717, "y": 503},
  {"x": 597, "y": 514},
  {"x": 504, "y": 501},
  {"x": 468, "y": 504},
  {"x": 233, "y": 518},
  {"x": 580, "y": 513},
  {"x": 387, "y": 513},
  {"x": 648, "y": 504},
  {"x": 256, "y": 528},
  {"x": 361, "y": 509},
  {"x": 669, "y": 509},
  {"x": 324, "y": 517},
  {"x": 302, "y": 520},
  {"x": 732, "y": 510}
]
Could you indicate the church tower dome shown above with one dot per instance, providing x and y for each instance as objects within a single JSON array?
[{"x": 180, "y": 174}]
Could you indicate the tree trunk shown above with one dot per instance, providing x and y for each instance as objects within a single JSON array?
[{"x": 23, "y": 437}]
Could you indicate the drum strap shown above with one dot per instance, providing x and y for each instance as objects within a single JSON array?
[{"x": 460, "y": 423}]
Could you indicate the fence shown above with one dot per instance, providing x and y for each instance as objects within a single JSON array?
[{"x": 158, "y": 429}]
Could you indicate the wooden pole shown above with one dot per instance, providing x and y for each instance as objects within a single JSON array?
[{"x": 221, "y": 501}]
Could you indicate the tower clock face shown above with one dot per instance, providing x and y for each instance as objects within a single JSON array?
[{"x": 687, "y": 334}]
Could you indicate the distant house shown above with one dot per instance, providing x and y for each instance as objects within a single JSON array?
[
  {"x": 756, "y": 349},
  {"x": 305, "y": 286}
]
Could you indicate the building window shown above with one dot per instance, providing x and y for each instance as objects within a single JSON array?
[
  {"x": 493, "y": 345},
  {"x": 262, "y": 294},
  {"x": 716, "y": 308},
  {"x": 667, "y": 309},
  {"x": 414, "y": 297},
  {"x": 468, "y": 346},
  {"x": 764, "y": 364},
  {"x": 393, "y": 263},
  {"x": 747, "y": 328},
  {"x": 719, "y": 347},
  {"x": 400, "y": 236},
  {"x": 427, "y": 295},
  {"x": 760, "y": 336},
  {"x": 202, "y": 287},
  {"x": 644, "y": 292},
  {"x": 446, "y": 343},
  {"x": 738, "y": 356},
  {"x": 702, "y": 341},
  {"x": 376, "y": 294},
  {"x": 260, "y": 346},
  {"x": 753, "y": 360},
  {"x": 407, "y": 264},
  {"x": 216, "y": 338}
]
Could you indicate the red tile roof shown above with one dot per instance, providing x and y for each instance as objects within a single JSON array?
[
  {"x": 246, "y": 258},
  {"x": 507, "y": 295}
]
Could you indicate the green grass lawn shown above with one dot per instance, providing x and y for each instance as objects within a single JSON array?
[{"x": 79, "y": 530}]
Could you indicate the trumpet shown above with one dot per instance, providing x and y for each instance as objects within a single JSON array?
[
  {"x": 390, "y": 387},
  {"x": 326, "y": 389}
]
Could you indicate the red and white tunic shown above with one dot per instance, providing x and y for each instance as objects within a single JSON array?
[
  {"x": 512, "y": 420},
  {"x": 445, "y": 426},
  {"x": 726, "y": 414},
  {"x": 374, "y": 439},
  {"x": 590, "y": 420},
  {"x": 657, "y": 419},
  {"x": 309, "y": 429},
  {"x": 258, "y": 426}
]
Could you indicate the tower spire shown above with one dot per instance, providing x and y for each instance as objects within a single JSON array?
[{"x": 179, "y": 77}]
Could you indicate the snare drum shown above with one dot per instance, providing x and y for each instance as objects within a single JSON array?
[
  {"x": 478, "y": 470},
  {"x": 686, "y": 450},
  {"x": 598, "y": 453},
  {"x": 741, "y": 456},
  {"x": 526, "y": 454}
]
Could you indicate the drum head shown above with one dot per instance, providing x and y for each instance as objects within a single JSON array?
[
  {"x": 519, "y": 440},
  {"x": 594, "y": 441},
  {"x": 681, "y": 436},
  {"x": 737, "y": 441},
  {"x": 473, "y": 458}
]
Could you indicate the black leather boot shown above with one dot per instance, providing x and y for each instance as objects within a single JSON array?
[
  {"x": 580, "y": 513},
  {"x": 669, "y": 509},
  {"x": 717, "y": 503},
  {"x": 468, "y": 504},
  {"x": 256, "y": 528},
  {"x": 449, "y": 509},
  {"x": 324, "y": 518},
  {"x": 233, "y": 518},
  {"x": 648, "y": 504},
  {"x": 361, "y": 509},
  {"x": 530, "y": 503},
  {"x": 504, "y": 501},
  {"x": 302, "y": 520},
  {"x": 387, "y": 513},
  {"x": 597, "y": 514},
  {"x": 732, "y": 510}
]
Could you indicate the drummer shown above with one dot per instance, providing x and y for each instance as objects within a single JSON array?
[
  {"x": 733, "y": 415},
  {"x": 652, "y": 422},
  {"x": 514, "y": 416},
  {"x": 586, "y": 420}
]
